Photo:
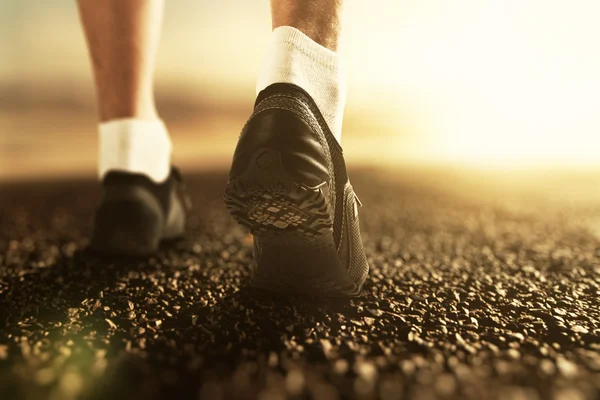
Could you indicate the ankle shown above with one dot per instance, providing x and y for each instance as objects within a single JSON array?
[
  {"x": 113, "y": 107},
  {"x": 136, "y": 146},
  {"x": 295, "y": 58}
]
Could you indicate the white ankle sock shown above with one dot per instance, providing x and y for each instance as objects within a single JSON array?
[
  {"x": 137, "y": 146},
  {"x": 295, "y": 58}
]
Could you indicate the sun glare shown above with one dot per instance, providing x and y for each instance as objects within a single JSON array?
[{"x": 496, "y": 81}]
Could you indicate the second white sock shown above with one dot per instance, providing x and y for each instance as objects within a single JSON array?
[
  {"x": 135, "y": 146},
  {"x": 295, "y": 58}
]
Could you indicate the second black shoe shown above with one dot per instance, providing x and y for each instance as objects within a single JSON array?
[
  {"x": 288, "y": 184},
  {"x": 136, "y": 213}
]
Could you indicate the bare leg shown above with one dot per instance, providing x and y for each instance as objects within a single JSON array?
[
  {"x": 318, "y": 19},
  {"x": 122, "y": 37}
]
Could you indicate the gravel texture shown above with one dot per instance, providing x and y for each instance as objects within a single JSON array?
[{"x": 475, "y": 292}]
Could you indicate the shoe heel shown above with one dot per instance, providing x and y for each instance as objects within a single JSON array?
[
  {"x": 128, "y": 226},
  {"x": 292, "y": 227}
]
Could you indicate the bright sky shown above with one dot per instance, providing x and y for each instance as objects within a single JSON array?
[{"x": 482, "y": 81}]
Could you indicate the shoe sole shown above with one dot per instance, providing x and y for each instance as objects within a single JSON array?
[{"x": 293, "y": 224}]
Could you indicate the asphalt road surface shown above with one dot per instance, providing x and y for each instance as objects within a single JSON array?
[{"x": 476, "y": 291}]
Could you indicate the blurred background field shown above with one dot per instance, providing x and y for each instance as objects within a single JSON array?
[{"x": 477, "y": 84}]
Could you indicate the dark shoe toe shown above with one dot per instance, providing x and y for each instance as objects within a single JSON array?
[
  {"x": 128, "y": 226},
  {"x": 136, "y": 214}
]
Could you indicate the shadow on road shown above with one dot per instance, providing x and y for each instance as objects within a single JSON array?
[{"x": 124, "y": 327}]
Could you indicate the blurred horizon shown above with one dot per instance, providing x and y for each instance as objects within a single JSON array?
[{"x": 482, "y": 84}]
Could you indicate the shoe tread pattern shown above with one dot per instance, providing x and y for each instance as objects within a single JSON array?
[{"x": 293, "y": 230}]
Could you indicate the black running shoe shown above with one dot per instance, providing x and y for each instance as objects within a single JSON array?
[
  {"x": 136, "y": 213},
  {"x": 288, "y": 184}
]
